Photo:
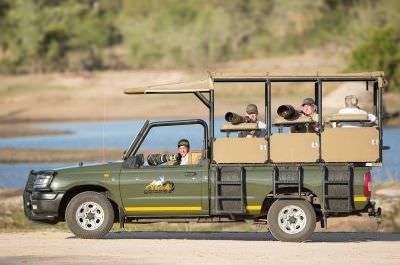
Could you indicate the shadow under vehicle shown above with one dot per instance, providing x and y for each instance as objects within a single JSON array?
[{"x": 288, "y": 180}]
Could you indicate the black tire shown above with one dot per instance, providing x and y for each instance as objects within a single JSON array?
[
  {"x": 295, "y": 228},
  {"x": 96, "y": 222}
]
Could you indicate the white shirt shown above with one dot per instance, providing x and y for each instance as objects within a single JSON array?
[
  {"x": 261, "y": 125},
  {"x": 185, "y": 160},
  {"x": 371, "y": 117}
]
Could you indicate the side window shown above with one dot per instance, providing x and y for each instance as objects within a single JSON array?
[{"x": 160, "y": 147}]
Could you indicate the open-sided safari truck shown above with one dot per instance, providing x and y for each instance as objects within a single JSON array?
[{"x": 288, "y": 180}]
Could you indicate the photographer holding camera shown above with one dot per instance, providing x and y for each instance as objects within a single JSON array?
[
  {"x": 252, "y": 117},
  {"x": 182, "y": 158}
]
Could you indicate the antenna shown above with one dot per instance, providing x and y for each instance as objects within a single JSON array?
[{"x": 103, "y": 123}]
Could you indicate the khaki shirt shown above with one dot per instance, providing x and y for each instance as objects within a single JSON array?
[
  {"x": 312, "y": 126},
  {"x": 250, "y": 134}
]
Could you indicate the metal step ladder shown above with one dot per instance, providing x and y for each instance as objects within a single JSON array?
[
  {"x": 287, "y": 177},
  {"x": 337, "y": 190},
  {"x": 230, "y": 195}
]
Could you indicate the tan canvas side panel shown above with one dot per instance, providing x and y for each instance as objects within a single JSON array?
[
  {"x": 350, "y": 144},
  {"x": 294, "y": 147},
  {"x": 196, "y": 156},
  {"x": 240, "y": 150}
]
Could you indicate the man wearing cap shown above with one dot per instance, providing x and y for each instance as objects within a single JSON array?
[
  {"x": 309, "y": 109},
  {"x": 252, "y": 116},
  {"x": 184, "y": 157},
  {"x": 351, "y": 103}
]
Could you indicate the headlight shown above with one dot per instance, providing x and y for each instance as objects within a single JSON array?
[{"x": 42, "y": 182}]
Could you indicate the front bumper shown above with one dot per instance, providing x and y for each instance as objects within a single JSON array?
[{"x": 42, "y": 206}]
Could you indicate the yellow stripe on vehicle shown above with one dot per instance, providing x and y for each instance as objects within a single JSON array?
[
  {"x": 360, "y": 199},
  {"x": 253, "y": 207},
  {"x": 163, "y": 208}
]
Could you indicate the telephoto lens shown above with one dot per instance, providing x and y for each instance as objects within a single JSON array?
[
  {"x": 288, "y": 112},
  {"x": 154, "y": 159},
  {"x": 234, "y": 118},
  {"x": 158, "y": 159}
]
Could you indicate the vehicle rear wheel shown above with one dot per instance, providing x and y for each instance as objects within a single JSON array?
[
  {"x": 89, "y": 215},
  {"x": 291, "y": 220}
]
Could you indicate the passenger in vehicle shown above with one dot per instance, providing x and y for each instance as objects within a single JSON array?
[
  {"x": 252, "y": 116},
  {"x": 309, "y": 109},
  {"x": 351, "y": 107}
]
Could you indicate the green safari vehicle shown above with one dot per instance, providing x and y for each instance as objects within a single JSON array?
[{"x": 290, "y": 181}]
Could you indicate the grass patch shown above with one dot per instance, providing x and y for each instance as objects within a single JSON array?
[
  {"x": 15, "y": 221},
  {"x": 15, "y": 89}
]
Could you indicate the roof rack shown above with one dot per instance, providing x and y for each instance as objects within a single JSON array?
[{"x": 300, "y": 77}]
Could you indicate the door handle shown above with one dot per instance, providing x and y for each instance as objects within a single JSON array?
[{"x": 190, "y": 174}]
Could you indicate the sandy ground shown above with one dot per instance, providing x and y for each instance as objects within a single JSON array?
[
  {"x": 198, "y": 248},
  {"x": 360, "y": 244}
]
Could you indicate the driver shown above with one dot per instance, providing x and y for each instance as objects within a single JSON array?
[{"x": 184, "y": 156}]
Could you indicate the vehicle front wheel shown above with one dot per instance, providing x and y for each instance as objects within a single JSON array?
[
  {"x": 89, "y": 215},
  {"x": 291, "y": 220}
]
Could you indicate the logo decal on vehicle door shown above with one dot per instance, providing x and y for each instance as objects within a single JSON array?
[{"x": 160, "y": 186}]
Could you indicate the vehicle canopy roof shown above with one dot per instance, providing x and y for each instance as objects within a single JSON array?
[{"x": 207, "y": 85}]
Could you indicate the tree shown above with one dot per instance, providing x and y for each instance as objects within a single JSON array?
[{"x": 381, "y": 51}]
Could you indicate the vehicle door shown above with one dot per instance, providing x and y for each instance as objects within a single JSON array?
[{"x": 168, "y": 189}]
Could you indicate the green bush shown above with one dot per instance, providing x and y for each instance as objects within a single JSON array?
[
  {"x": 40, "y": 35},
  {"x": 381, "y": 51},
  {"x": 194, "y": 33},
  {"x": 65, "y": 35}
]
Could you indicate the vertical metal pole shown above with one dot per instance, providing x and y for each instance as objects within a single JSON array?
[
  {"x": 316, "y": 93},
  {"x": 319, "y": 104},
  {"x": 211, "y": 124},
  {"x": 375, "y": 110},
  {"x": 210, "y": 147},
  {"x": 320, "y": 127},
  {"x": 379, "y": 116},
  {"x": 267, "y": 99}
]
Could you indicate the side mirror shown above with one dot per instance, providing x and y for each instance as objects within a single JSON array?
[{"x": 135, "y": 161}]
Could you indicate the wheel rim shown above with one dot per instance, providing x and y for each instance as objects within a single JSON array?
[
  {"x": 89, "y": 215},
  {"x": 292, "y": 219}
]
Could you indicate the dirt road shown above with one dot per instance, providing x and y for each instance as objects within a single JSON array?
[{"x": 198, "y": 248}]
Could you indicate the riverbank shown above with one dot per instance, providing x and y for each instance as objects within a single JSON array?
[
  {"x": 11, "y": 155},
  {"x": 11, "y": 130},
  {"x": 99, "y": 95}
]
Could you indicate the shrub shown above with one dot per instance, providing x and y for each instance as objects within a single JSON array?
[{"x": 381, "y": 51}]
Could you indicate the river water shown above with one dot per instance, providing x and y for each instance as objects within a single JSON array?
[{"x": 119, "y": 135}]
